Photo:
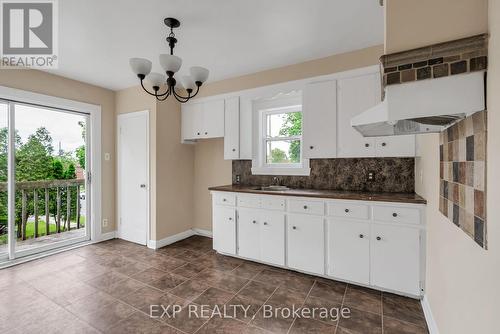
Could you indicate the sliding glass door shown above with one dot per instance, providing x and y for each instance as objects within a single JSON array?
[{"x": 50, "y": 194}]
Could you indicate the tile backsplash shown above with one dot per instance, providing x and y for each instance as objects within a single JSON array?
[
  {"x": 350, "y": 174},
  {"x": 463, "y": 175}
]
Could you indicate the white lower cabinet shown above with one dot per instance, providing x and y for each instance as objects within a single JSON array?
[
  {"x": 224, "y": 229},
  {"x": 261, "y": 235},
  {"x": 249, "y": 233},
  {"x": 395, "y": 255},
  {"x": 306, "y": 243},
  {"x": 349, "y": 250},
  {"x": 370, "y": 243}
]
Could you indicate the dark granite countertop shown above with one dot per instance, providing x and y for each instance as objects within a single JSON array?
[{"x": 333, "y": 194}]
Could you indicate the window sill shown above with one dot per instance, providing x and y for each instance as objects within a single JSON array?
[{"x": 305, "y": 171}]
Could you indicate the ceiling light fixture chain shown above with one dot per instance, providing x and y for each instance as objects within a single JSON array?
[{"x": 171, "y": 64}]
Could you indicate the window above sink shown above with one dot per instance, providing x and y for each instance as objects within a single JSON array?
[{"x": 279, "y": 133}]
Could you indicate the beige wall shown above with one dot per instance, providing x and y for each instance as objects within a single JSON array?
[
  {"x": 411, "y": 24},
  {"x": 175, "y": 173},
  {"x": 49, "y": 84},
  {"x": 210, "y": 167},
  {"x": 462, "y": 278}
]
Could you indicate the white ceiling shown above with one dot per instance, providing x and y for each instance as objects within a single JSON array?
[{"x": 229, "y": 37}]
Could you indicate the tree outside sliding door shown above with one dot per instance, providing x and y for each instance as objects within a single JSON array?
[
  {"x": 50, "y": 178},
  {"x": 4, "y": 112}
]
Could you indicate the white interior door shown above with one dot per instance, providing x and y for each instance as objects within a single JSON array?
[{"x": 133, "y": 178}]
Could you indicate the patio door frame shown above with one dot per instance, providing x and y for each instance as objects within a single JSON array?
[{"x": 93, "y": 177}]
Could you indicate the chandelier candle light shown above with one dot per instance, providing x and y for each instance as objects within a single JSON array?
[{"x": 171, "y": 64}]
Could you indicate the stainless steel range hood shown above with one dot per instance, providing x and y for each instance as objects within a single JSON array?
[{"x": 423, "y": 106}]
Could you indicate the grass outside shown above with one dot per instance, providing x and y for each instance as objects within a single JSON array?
[{"x": 30, "y": 229}]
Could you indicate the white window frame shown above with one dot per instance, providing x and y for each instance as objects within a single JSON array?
[{"x": 278, "y": 105}]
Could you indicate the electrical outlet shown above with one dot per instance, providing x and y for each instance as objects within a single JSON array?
[
  {"x": 238, "y": 179},
  {"x": 371, "y": 177},
  {"x": 105, "y": 223}
]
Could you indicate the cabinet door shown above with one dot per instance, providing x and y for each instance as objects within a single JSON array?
[
  {"x": 272, "y": 237},
  {"x": 232, "y": 128},
  {"x": 349, "y": 250},
  {"x": 395, "y": 258},
  {"x": 190, "y": 120},
  {"x": 355, "y": 95},
  {"x": 320, "y": 120},
  {"x": 306, "y": 237},
  {"x": 224, "y": 224},
  {"x": 213, "y": 119},
  {"x": 395, "y": 146},
  {"x": 249, "y": 233}
]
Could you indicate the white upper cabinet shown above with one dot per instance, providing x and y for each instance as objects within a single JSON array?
[
  {"x": 319, "y": 110},
  {"x": 232, "y": 128},
  {"x": 203, "y": 120},
  {"x": 355, "y": 95}
]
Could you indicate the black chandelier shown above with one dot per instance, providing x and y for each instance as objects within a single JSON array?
[{"x": 171, "y": 64}]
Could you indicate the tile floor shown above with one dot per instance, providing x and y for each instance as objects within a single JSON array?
[{"x": 109, "y": 287}]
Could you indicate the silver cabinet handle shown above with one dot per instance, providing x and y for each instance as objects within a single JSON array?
[{"x": 379, "y": 238}]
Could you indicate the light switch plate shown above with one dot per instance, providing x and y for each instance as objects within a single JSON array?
[{"x": 107, "y": 156}]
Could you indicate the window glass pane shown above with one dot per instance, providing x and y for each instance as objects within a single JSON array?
[
  {"x": 284, "y": 125},
  {"x": 3, "y": 176},
  {"x": 283, "y": 152}
]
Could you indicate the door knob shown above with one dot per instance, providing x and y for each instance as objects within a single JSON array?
[{"x": 143, "y": 185}]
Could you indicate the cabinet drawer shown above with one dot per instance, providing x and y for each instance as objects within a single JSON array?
[
  {"x": 273, "y": 203},
  {"x": 396, "y": 214},
  {"x": 349, "y": 210},
  {"x": 225, "y": 198},
  {"x": 249, "y": 201},
  {"x": 311, "y": 207}
]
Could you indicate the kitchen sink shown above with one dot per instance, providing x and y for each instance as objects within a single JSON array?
[{"x": 274, "y": 188}]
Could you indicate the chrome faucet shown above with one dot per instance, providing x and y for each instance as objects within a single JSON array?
[{"x": 276, "y": 181}]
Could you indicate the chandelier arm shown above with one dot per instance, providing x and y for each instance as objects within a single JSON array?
[
  {"x": 186, "y": 98},
  {"x": 152, "y": 94},
  {"x": 147, "y": 91},
  {"x": 166, "y": 95}
]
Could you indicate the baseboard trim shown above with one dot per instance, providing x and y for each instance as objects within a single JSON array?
[
  {"x": 203, "y": 233},
  {"x": 155, "y": 244},
  {"x": 107, "y": 236},
  {"x": 431, "y": 323}
]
